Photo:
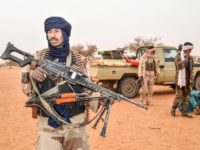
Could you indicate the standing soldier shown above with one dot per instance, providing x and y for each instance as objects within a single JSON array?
[
  {"x": 148, "y": 72},
  {"x": 184, "y": 78},
  {"x": 53, "y": 135}
]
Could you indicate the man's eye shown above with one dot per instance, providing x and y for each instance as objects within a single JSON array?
[{"x": 49, "y": 32}]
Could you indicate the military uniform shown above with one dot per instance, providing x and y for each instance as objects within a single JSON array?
[
  {"x": 148, "y": 71},
  {"x": 182, "y": 93},
  {"x": 53, "y": 136}
]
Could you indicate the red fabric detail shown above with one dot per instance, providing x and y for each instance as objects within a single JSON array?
[{"x": 134, "y": 63}]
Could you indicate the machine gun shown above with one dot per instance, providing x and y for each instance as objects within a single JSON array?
[{"x": 71, "y": 76}]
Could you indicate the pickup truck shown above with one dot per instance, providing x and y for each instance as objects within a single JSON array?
[{"x": 114, "y": 72}]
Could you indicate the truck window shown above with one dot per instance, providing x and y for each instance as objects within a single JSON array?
[
  {"x": 115, "y": 54},
  {"x": 169, "y": 55}
]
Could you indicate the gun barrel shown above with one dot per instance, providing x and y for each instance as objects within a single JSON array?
[{"x": 133, "y": 102}]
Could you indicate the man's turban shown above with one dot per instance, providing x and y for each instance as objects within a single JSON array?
[
  {"x": 59, "y": 23},
  {"x": 187, "y": 46}
]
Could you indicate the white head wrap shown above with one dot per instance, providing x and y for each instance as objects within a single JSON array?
[{"x": 188, "y": 47}]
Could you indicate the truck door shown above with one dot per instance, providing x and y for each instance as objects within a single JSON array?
[{"x": 169, "y": 66}]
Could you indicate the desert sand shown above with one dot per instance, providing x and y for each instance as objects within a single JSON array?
[{"x": 129, "y": 127}]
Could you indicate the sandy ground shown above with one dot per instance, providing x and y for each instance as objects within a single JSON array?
[{"x": 129, "y": 127}]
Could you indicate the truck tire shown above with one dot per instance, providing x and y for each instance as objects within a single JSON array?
[
  {"x": 128, "y": 87},
  {"x": 197, "y": 83}
]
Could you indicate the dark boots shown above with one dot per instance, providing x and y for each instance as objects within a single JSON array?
[
  {"x": 186, "y": 115},
  {"x": 184, "y": 112},
  {"x": 197, "y": 110},
  {"x": 173, "y": 112}
]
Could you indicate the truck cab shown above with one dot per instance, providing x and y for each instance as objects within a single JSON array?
[{"x": 114, "y": 72}]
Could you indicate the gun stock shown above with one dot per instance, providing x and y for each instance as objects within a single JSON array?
[{"x": 8, "y": 54}]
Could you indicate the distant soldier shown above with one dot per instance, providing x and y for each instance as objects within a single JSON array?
[
  {"x": 86, "y": 64},
  {"x": 148, "y": 72},
  {"x": 184, "y": 79}
]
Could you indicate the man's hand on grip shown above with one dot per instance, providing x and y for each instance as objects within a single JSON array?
[{"x": 39, "y": 74}]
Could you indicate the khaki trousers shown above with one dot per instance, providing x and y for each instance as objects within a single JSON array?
[
  {"x": 147, "y": 89},
  {"x": 61, "y": 138}
]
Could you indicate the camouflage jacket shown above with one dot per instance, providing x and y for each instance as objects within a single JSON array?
[{"x": 142, "y": 67}]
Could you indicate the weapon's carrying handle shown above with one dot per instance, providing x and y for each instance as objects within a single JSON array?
[{"x": 22, "y": 62}]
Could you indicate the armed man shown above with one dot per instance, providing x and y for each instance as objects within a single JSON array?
[
  {"x": 148, "y": 73},
  {"x": 60, "y": 92},
  {"x": 184, "y": 79},
  {"x": 56, "y": 80},
  {"x": 52, "y": 135}
]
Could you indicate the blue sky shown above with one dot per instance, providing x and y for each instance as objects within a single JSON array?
[{"x": 107, "y": 23}]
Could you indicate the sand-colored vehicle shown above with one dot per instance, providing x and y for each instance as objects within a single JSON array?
[{"x": 114, "y": 72}]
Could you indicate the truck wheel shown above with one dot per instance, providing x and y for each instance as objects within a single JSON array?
[
  {"x": 128, "y": 87},
  {"x": 197, "y": 83}
]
